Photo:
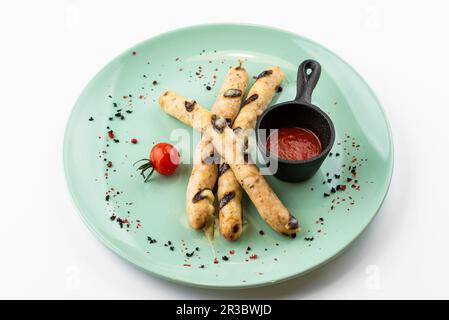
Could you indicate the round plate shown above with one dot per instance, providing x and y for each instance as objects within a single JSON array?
[{"x": 333, "y": 207}]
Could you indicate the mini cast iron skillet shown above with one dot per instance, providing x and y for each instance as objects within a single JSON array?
[{"x": 298, "y": 113}]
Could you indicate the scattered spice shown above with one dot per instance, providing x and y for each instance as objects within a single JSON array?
[{"x": 151, "y": 240}]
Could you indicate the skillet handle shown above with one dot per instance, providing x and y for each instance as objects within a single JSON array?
[{"x": 308, "y": 75}]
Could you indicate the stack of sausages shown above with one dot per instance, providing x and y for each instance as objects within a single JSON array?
[{"x": 225, "y": 131}]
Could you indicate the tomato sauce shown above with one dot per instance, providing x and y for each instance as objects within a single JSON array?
[{"x": 294, "y": 144}]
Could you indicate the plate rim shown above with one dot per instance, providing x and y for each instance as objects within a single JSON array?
[{"x": 123, "y": 255}]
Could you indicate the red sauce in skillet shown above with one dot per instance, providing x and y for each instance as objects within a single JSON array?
[{"x": 294, "y": 144}]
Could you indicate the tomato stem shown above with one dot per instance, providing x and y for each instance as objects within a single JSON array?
[{"x": 144, "y": 167}]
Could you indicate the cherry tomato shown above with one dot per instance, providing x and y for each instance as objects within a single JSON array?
[{"x": 164, "y": 158}]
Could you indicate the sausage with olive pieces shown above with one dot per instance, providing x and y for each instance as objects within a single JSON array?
[
  {"x": 230, "y": 219},
  {"x": 204, "y": 171}
]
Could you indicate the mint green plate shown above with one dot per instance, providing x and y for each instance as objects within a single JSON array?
[{"x": 157, "y": 209}]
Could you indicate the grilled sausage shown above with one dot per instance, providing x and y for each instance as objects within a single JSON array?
[
  {"x": 259, "y": 96},
  {"x": 204, "y": 172}
]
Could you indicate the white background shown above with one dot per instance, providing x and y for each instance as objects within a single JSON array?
[{"x": 49, "y": 51}]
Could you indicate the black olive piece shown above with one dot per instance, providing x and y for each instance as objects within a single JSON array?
[
  {"x": 213, "y": 158},
  {"x": 264, "y": 74},
  {"x": 223, "y": 168},
  {"x": 237, "y": 130},
  {"x": 218, "y": 123},
  {"x": 189, "y": 105},
  {"x": 199, "y": 196},
  {"x": 293, "y": 223},
  {"x": 250, "y": 99},
  {"x": 226, "y": 198},
  {"x": 232, "y": 93}
]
